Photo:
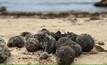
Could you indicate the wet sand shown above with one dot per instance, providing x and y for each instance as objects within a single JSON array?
[{"x": 94, "y": 25}]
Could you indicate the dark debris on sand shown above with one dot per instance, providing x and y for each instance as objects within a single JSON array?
[
  {"x": 4, "y": 51},
  {"x": 65, "y": 46}
]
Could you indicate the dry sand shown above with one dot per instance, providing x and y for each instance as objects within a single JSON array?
[{"x": 10, "y": 26}]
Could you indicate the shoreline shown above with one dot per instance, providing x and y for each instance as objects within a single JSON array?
[{"x": 51, "y": 14}]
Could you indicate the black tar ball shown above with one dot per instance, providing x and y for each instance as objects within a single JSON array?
[
  {"x": 32, "y": 45},
  {"x": 65, "y": 55},
  {"x": 57, "y": 35},
  {"x": 72, "y": 36},
  {"x": 49, "y": 44},
  {"x": 26, "y": 35},
  {"x": 77, "y": 48},
  {"x": 44, "y": 31},
  {"x": 86, "y": 42},
  {"x": 64, "y": 41},
  {"x": 16, "y": 41},
  {"x": 4, "y": 51}
]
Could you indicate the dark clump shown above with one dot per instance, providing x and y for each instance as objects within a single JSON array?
[
  {"x": 49, "y": 44},
  {"x": 57, "y": 35},
  {"x": 16, "y": 41},
  {"x": 64, "y": 41},
  {"x": 77, "y": 48},
  {"x": 46, "y": 41},
  {"x": 40, "y": 37},
  {"x": 86, "y": 42},
  {"x": 32, "y": 45},
  {"x": 4, "y": 51},
  {"x": 72, "y": 36},
  {"x": 65, "y": 55},
  {"x": 44, "y": 55},
  {"x": 64, "y": 35},
  {"x": 43, "y": 32},
  {"x": 26, "y": 35}
]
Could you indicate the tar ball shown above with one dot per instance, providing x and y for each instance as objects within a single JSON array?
[
  {"x": 16, "y": 41},
  {"x": 72, "y": 36},
  {"x": 44, "y": 55},
  {"x": 32, "y": 45},
  {"x": 4, "y": 51},
  {"x": 56, "y": 35},
  {"x": 44, "y": 31},
  {"x": 24, "y": 34},
  {"x": 65, "y": 55},
  {"x": 49, "y": 44},
  {"x": 86, "y": 42},
  {"x": 64, "y": 41},
  {"x": 77, "y": 48}
]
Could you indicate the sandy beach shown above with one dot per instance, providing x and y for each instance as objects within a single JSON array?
[{"x": 95, "y": 26}]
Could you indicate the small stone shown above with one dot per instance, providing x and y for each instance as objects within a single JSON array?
[
  {"x": 44, "y": 55},
  {"x": 101, "y": 43}
]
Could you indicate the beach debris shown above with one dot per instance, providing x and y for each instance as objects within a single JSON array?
[
  {"x": 65, "y": 46},
  {"x": 77, "y": 48},
  {"x": 4, "y": 51},
  {"x": 72, "y": 36},
  {"x": 86, "y": 42},
  {"x": 57, "y": 35},
  {"x": 16, "y": 41},
  {"x": 65, "y": 55},
  {"x": 44, "y": 31},
  {"x": 32, "y": 44},
  {"x": 101, "y": 43},
  {"x": 26, "y": 35},
  {"x": 44, "y": 55},
  {"x": 48, "y": 44},
  {"x": 64, "y": 41}
]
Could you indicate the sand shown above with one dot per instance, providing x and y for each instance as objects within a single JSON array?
[{"x": 10, "y": 26}]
